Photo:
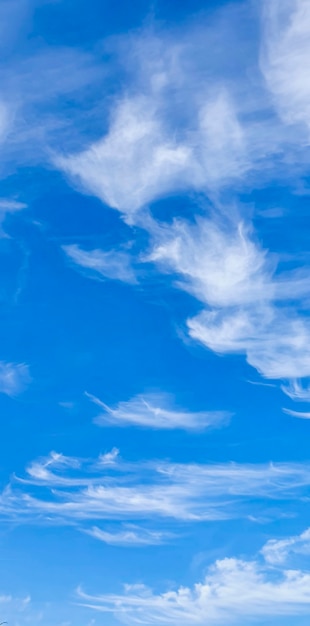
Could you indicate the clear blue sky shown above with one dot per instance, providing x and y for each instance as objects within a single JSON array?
[{"x": 155, "y": 295}]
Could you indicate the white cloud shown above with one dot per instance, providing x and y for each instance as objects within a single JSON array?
[
  {"x": 285, "y": 54},
  {"x": 131, "y": 535},
  {"x": 75, "y": 491},
  {"x": 297, "y": 391},
  {"x": 249, "y": 307},
  {"x": 232, "y": 592},
  {"x": 14, "y": 378},
  {"x": 113, "y": 264},
  {"x": 155, "y": 411},
  {"x": 135, "y": 163},
  {"x": 277, "y": 551},
  {"x": 299, "y": 414}
]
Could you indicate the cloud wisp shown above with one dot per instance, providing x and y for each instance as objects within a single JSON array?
[
  {"x": 156, "y": 411},
  {"x": 14, "y": 378},
  {"x": 112, "y": 264},
  {"x": 277, "y": 551},
  {"x": 130, "y": 535}
]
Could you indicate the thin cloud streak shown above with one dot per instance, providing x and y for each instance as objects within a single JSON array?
[
  {"x": 14, "y": 378},
  {"x": 112, "y": 264}
]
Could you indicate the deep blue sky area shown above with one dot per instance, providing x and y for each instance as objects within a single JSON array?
[{"x": 154, "y": 313}]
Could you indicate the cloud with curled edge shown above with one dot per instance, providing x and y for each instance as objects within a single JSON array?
[
  {"x": 155, "y": 411},
  {"x": 297, "y": 391},
  {"x": 232, "y": 590},
  {"x": 14, "y": 378},
  {"x": 73, "y": 491},
  {"x": 112, "y": 264}
]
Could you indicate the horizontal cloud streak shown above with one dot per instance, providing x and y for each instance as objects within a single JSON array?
[
  {"x": 72, "y": 491},
  {"x": 155, "y": 411}
]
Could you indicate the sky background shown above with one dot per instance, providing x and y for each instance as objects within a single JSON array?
[{"x": 155, "y": 296}]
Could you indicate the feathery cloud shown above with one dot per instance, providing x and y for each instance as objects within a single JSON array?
[
  {"x": 113, "y": 264},
  {"x": 74, "y": 491},
  {"x": 156, "y": 411}
]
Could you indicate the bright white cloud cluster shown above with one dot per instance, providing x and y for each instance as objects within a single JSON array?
[
  {"x": 155, "y": 411},
  {"x": 232, "y": 590}
]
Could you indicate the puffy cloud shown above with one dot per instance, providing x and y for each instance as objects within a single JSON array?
[{"x": 233, "y": 591}]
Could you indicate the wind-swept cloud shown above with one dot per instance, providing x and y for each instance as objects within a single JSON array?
[
  {"x": 156, "y": 411},
  {"x": 14, "y": 378},
  {"x": 73, "y": 491},
  {"x": 277, "y": 551},
  {"x": 129, "y": 535},
  {"x": 249, "y": 307},
  {"x": 113, "y": 264},
  {"x": 233, "y": 591}
]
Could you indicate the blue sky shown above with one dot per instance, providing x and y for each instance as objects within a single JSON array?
[{"x": 155, "y": 333}]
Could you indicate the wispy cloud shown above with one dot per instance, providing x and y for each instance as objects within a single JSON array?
[
  {"x": 129, "y": 535},
  {"x": 113, "y": 264},
  {"x": 232, "y": 590},
  {"x": 300, "y": 414},
  {"x": 73, "y": 491},
  {"x": 249, "y": 307},
  {"x": 156, "y": 411},
  {"x": 297, "y": 391},
  {"x": 285, "y": 51},
  {"x": 14, "y": 378},
  {"x": 277, "y": 551}
]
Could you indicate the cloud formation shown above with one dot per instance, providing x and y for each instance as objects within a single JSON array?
[
  {"x": 74, "y": 491},
  {"x": 233, "y": 590},
  {"x": 156, "y": 411}
]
